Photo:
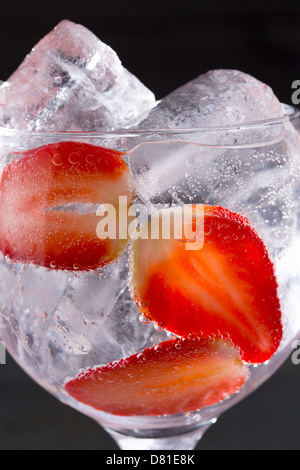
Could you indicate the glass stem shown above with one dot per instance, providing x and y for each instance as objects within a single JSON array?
[{"x": 186, "y": 441}]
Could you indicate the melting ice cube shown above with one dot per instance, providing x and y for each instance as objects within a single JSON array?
[
  {"x": 217, "y": 98},
  {"x": 73, "y": 81},
  {"x": 246, "y": 168}
]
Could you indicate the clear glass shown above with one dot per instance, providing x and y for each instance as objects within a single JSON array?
[{"x": 56, "y": 323}]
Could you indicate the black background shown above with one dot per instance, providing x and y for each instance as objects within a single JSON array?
[{"x": 165, "y": 44}]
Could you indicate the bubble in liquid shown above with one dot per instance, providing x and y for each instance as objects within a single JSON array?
[
  {"x": 58, "y": 81},
  {"x": 158, "y": 328},
  {"x": 40, "y": 312},
  {"x": 90, "y": 159},
  {"x": 190, "y": 161},
  {"x": 217, "y": 187},
  {"x": 74, "y": 158},
  {"x": 207, "y": 230},
  {"x": 171, "y": 335},
  {"x": 57, "y": 159},
  {"x": 144, "y": 320}
]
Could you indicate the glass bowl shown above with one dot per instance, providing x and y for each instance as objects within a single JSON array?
[{"x": 57, "y": 322}]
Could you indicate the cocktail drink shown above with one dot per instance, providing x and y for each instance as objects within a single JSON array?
[{"x": 149, "y": 270}]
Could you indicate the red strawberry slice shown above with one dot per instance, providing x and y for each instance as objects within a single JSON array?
[
  {"x": 227, "y": 287},
  {"x": 174, "y": 377},
  {"x": 48, "y": 202}
]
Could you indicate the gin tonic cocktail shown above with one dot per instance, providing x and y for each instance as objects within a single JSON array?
[
  {"x": 149, "y": 249},
  {"x": 151, "y": 333}
]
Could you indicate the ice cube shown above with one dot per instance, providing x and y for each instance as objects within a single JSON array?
[
  {"x": 73, "y": 81},
  {"x": 124, "y": 328},
  {"x": 217, "y": 98},
  {"x": 57, "y": 320},
  {"x": 228, "y": 160}
]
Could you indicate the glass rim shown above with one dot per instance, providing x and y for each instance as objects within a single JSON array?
[{"x": 291, "y": 113}]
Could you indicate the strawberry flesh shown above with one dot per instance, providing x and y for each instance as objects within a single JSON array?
[
  {"x": 176, "y": 376},
  {"x": 48, "y": 201},
  {"x": 226, "y": 288}
]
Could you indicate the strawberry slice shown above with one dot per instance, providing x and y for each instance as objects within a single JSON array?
[
  {"x": 225, "y": 287},
  {"x": 174, "y": 377},
  {"x": 48, "y": 202}
]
